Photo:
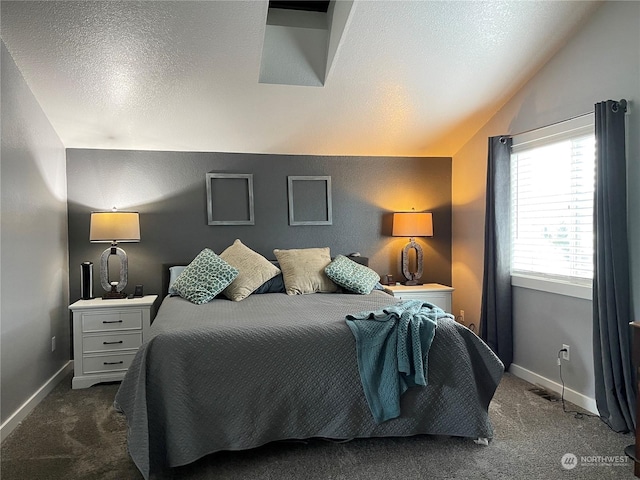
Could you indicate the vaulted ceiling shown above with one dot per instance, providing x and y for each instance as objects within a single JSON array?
[{"x": 408, "y": 77}]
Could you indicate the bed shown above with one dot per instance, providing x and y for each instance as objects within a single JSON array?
[{"x": 236, "y": 375}]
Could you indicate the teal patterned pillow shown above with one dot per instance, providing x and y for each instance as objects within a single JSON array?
[
  {"x": 351, "y": 275},
  {"x": 204, "y": 278}
]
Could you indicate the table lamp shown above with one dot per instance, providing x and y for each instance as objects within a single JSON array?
[
  {"x": 113, "y": 227},
  {"x": 412, "y": 224}
]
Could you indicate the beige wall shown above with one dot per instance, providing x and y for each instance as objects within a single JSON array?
[
  {"x": 599, "y": 63},
  {"x": 602, "y": 61}
]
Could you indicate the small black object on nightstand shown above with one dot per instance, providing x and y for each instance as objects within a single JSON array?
[{"x": 138, "y": 291}]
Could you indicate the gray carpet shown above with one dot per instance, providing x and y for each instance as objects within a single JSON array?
[{"x": 76, "y": 434}]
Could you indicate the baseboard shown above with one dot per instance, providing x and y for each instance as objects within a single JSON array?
[
  {"x": 572, "y": 396},
  {"x": 14, "y": 420}
]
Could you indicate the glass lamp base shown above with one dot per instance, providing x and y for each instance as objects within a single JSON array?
[
  {"x": 114, "y": 289},
  {"x": 412, "y": 277}
]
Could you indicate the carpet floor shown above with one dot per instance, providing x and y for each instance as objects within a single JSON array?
[{"x": 76, "y": 434}]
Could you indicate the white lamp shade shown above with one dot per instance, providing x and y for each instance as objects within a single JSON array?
[
  {"x": 114, "y": 227},
  {"x": 412, "y": 224}
]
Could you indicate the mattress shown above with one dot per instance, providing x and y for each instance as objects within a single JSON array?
[{"x": 236, "y": 375}]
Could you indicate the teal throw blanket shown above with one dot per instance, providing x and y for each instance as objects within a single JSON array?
[{"x": 392, "y": 346}]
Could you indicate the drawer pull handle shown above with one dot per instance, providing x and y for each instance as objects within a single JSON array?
[
  {"x": 113, "y": 363},
  {"x": 112, "y": 321},
  {"x": 112, "y": 343}
]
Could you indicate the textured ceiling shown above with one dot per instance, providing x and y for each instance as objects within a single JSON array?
[{"x": 410, "y": 77}]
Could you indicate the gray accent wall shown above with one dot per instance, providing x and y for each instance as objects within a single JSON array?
[
  {"x": 169, "y": 191},
  {"x": 602, "y": 61},
  {"x": 34, "y": 276}
]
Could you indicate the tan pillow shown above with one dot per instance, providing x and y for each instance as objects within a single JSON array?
[
  {"x": 253, "y": 270},
  {"x": 303, "y": 270}
]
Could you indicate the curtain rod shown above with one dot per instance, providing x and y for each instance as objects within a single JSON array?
[
  {"x": 549, "y": 125},
  {"x": 623, "y": 103}
]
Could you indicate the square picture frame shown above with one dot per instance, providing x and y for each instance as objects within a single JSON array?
[
  {"x": 309, "y": 199},
  {"x": 230, "y": 199}
]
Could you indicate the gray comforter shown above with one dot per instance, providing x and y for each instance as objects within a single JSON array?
[{"x": 236, "y": 375}]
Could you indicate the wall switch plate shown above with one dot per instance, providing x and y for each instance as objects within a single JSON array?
[{"x": 566, "y": 354}]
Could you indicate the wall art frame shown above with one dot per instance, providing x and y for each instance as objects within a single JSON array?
[
  {"x": 230, "y": 199},
  {"x": 309, "y": 199}
]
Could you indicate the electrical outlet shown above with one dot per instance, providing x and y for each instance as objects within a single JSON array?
[
  {"x": 566, "y": 354},
  {"x": 462, "y": 317},
  {"x": 53, "y": 344}
]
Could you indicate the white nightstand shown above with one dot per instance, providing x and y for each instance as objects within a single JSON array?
[
  {"x": 435, "y": 293},
  {"x": 106, "y": 337}
]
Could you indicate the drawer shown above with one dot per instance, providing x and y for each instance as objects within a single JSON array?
[
  {"x": 107, "y": 363},
  {"x": 112, "y": 320},
  {"x": 442, "y": 300},
  {"x": 107, "y": 343}
]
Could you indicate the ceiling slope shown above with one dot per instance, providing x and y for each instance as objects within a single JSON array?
[{"x": 410, "y": 77}]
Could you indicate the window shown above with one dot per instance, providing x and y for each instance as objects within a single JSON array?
[{"x": 552, "y": 189}]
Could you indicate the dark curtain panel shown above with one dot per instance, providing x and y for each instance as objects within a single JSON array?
[
  {"x": 496, "y": 325},
  {"x": 615, "y": 391}
]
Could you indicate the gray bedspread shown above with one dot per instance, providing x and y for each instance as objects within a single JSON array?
[{"x": 236, "y": 375}]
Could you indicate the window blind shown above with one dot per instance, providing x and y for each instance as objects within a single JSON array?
[{"x": 552, "y": 188}]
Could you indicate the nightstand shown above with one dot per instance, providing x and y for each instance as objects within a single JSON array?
[
  {"x": 435, "y": 293},
  {"x": 106, "y": 337}
]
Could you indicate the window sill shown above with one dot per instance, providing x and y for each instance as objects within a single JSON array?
[{"x": 552, "y": 286}]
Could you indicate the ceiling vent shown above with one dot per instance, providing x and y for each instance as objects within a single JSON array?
[{"x": 301, "y": 41}]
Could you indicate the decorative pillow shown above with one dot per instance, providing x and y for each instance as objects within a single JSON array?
[
  {"x": 275, "y": 285},
  {"x": 303, "y": 270},
  {"x": 253, "y": 270},
  {"x": 352, "y": 275},
  {"x": 205, "y": 277},
  {"x": 174, "y": 272}
]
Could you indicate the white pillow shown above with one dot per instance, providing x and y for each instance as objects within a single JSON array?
[{"x": 174, "y": 272}]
